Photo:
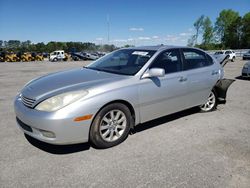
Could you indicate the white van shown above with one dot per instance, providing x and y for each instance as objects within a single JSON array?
[{"x": 57, "y": 55}]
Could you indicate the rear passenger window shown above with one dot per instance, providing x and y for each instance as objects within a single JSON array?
[
  {"x": 169, "y": 61},
  {"x": 194, "y": 59}
]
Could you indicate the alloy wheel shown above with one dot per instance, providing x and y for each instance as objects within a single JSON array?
[
  {"x": 209, "y": 105},
  {"x": 113, "y": 125}
]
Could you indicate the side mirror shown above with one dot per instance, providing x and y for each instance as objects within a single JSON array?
[{"x": 154, "y": 72}]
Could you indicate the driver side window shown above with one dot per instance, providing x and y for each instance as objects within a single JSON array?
[{"x": 169, "y": 61}]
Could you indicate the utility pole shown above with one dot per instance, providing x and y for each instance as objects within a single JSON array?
[{"x": 108, "y": 25}]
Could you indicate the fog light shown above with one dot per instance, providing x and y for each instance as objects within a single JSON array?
[{"x": 48, "y": 134}]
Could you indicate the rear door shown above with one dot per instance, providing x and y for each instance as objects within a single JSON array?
[{"x": 201, "y": 74}]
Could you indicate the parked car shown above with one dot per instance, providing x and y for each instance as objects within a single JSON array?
[
  {"x": 2, "y": 56},
  {"x": 90, "y": 56},
  {"x": 77, "y": 56},
  {"x": 221, "y": 57},
  {"x": 246, "y": 70},
  {"x": 231, "y": 53},
  {"x": 102, "y": 102},
  {"x": 246, "y": 55},
  {"x": 58, "y": 55}
]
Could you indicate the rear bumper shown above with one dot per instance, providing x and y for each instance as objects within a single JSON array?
[{"x": 39, "y": 125}]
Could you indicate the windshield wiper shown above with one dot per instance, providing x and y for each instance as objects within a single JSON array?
[{"x": 106, "y": 70}]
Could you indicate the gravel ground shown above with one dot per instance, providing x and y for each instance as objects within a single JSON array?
[{"x": 186, "y": 149}]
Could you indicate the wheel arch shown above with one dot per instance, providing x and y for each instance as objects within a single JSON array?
[{"x": 126, "y": 103}]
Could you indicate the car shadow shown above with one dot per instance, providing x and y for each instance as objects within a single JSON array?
[
  {"x": 164, "y": 119},
  {"x": 241, "y": 78},
  {"x": 57, "y": 149}
]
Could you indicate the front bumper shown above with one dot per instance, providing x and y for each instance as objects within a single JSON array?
[
  {"x": 245, "y": 72},
  {"x": 61, "y": 124},
  {"x": 246, "y": 56}
]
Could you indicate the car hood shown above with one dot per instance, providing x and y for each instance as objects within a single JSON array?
[{"x": 61, "y": 82}]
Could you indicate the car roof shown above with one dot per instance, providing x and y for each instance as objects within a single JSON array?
[{"x": 157, "y": 48}]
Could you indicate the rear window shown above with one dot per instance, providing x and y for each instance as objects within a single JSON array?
[{"x": 195, "y": 59}]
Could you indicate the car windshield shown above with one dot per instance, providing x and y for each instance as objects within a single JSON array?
[{"x": 125, "y": 61}]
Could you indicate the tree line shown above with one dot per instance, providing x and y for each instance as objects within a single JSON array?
[
  {"x": 28, "y": 46},
  {"x": 230, "y": 30}
]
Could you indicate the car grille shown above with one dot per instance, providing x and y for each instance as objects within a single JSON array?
[
  {"x": 27, "y": 101},
  {"x": 24, "y": 126}
]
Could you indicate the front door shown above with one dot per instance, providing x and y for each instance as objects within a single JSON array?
[{"x": 160, "y": 96}]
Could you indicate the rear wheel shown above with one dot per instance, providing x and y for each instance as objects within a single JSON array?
[
  {"x": 55, "y": 60},
  {"x": 233, "y": 59},
  {"x": 211, "y": 103},
  {"x": 110, "y": 126}
]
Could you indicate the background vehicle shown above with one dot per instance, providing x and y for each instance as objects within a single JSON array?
[
  {"x": 246, "y": 70},
  {"x": 246, "y": 55},
  {"x": 2, "y": 57},
  {"x": 11, "y": 57},
  {"x": 93, "y": 56},
  {"x": 58, "y": 55},
  {"x": 36, "y": 57},
  {"x": 232, "y": 55},
  {"x": 106, "y": 99},
  {"x": 221, "y": 57},
  {"x": 77, "y": 56},
  {"x": 39, "y": 57},
  {"x": 25, "y": 57}
]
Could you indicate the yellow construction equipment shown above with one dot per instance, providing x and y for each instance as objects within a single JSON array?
[
  {"x": 37, "y": 57},
  {"x": 26, "y": 57},
  {"x": 66, "y": 58},
  {"x": 11, "y": 57}
]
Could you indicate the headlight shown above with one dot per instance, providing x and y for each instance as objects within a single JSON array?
[{"x": 59, "y": 101}]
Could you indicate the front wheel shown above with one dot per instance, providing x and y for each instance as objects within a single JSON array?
[
  {"x": 111, "y": 126},
  {"x": 211, "y": 103},
  {"x": 233, "y": 59}
]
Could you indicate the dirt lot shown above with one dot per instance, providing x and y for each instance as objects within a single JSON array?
[{"x": 187, "y": 149}]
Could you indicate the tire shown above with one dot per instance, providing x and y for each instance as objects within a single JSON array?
[
  {"x": 55, "y": 60},
  {"x": 233, "y": 59},
  {"x": 109, "y": 130},
  {"x": 211, "y": 103}
]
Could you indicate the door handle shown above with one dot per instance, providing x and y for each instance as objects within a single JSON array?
[
  {"x": 215, "y": 72},
  {"x": 182, "y": 79}
]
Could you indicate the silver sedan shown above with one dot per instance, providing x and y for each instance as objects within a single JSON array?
[
  {"x": 246, "y": 70},
  {"x": 102, "y": 102}
]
